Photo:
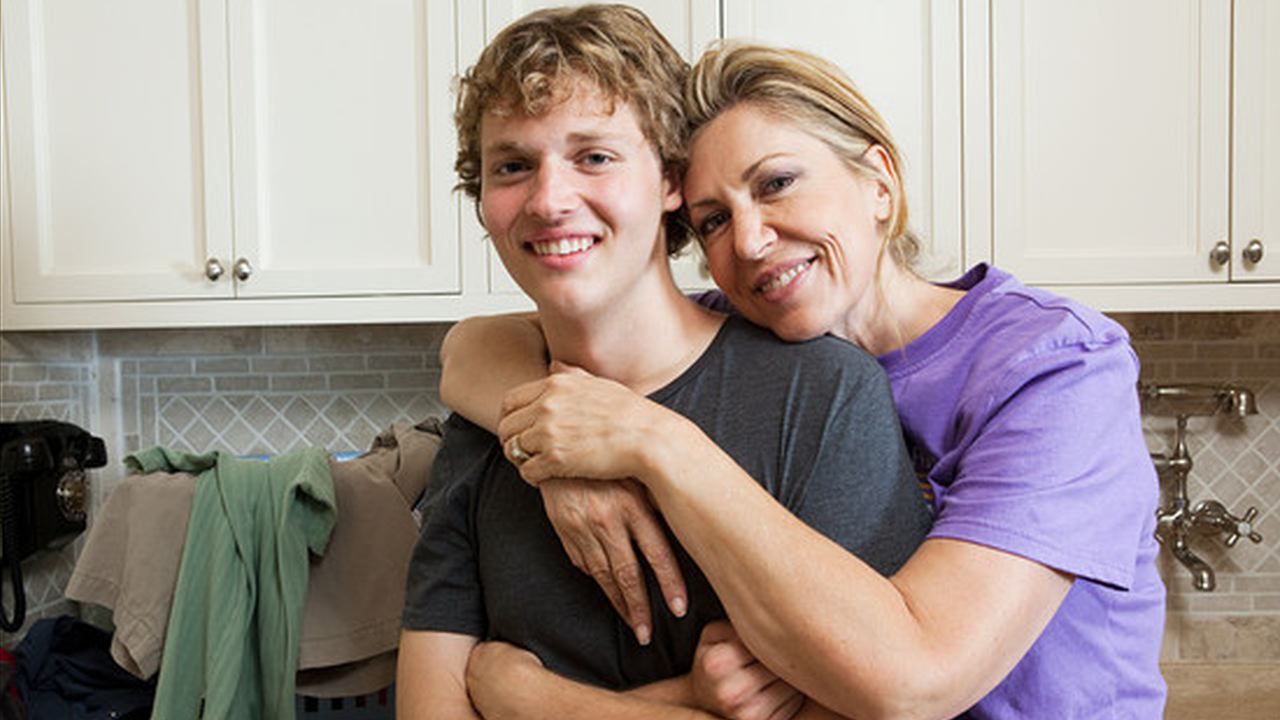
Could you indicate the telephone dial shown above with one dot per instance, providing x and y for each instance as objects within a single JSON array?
[{"x": 44, "y": 495}]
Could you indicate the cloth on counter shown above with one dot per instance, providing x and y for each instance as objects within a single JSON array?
[
  {"x": 232, "y": 637},
  {"x": 65, "y": 671},
  {"x": 355, "y": 594}
]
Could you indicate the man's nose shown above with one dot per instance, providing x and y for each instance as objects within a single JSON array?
[{"x": 553, "y": 194}]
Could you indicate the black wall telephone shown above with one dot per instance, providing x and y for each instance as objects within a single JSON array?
[{"x": 43, "y": 495}]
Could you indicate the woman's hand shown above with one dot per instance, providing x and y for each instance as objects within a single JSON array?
[
  {"x": 729, "y": 681},
  {"x": 498, "y": 679},
  {"x": 600, "y": 524},
  {"x": 574, "y": 424}
]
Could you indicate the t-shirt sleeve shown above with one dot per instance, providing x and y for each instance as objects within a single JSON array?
[
  {"x": 1056, "y": 469},
  {"x": 443, "y": 587},
  {"x": 858, "y": 488}
]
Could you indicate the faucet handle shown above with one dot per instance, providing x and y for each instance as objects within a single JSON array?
[{"x": 1244, "y": 527}]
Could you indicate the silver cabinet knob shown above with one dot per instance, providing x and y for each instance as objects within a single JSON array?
[
  {"x": 213, "y": 269},
  {"x": 1252, "y": 252},
  {"x": 243, "y": 269},
  {"x": 1220, "y": 254}
]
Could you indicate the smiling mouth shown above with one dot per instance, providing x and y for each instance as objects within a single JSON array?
[
  {"x": 560, "y": 247},
  {"x": 785, "y": 278}
]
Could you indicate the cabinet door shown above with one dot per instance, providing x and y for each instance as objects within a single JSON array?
[
  {"x": 905, "y": 58},
  {"x": 343, "y": 146},
  {"x": 1256, "y": 201},
  {"x": 117, "y": 149},
  {"x": 1110, "y": 139},
  {"x": 689, "y": 24}
]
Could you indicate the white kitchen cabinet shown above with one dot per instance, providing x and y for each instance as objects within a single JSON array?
[
  {"x": 690, "y": 25},
  {"x": 1256, "y": 191},
  {"x": 905, "y": 58},
  {"x": 304, "y": 147},
  {"x": 1111, "y": 142},
  {"x": 1104, "y": 168},
  {"x": 118, "y": 169}
]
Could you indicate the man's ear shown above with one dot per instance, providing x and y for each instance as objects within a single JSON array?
[{"x": 672, "y": 188}]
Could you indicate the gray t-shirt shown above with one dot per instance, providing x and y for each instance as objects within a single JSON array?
[{"x": 812, "y": 422}]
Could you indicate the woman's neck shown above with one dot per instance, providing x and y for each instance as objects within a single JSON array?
[
  {"x": 897, "y": 311},
  {"x": 643, "y": 342}
]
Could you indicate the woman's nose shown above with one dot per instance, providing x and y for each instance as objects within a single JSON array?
[
  {"x": 752, "y": 236},
  {"x": 553, "y": 194}
]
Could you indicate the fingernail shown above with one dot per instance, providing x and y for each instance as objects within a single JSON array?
[
  {"x": 678, "y": 607},
  {"x": 642, "y": 634}
]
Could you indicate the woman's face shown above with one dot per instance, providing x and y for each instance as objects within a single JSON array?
[{"x": 791, "y": 233}]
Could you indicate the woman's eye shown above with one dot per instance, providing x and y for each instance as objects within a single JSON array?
[
  {"x": 777, "y": 183},
  {"x": 711, "y": 223}
]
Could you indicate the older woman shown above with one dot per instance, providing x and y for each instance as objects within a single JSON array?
[{"x": 1036, "y": 593}]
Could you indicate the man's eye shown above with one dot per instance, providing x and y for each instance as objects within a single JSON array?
[
  {"x": 596, "y": 159},
  {"x": 712, "y": 222},
  {"x": 510, "y": 168}
]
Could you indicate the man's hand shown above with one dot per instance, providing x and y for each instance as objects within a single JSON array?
[
  {"x": 729, "y": 681},
  {"x": 598, "y": 522}
]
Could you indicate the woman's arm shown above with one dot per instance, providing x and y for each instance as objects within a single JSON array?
[
  {"x": 927, "y": 643},
  {"x": 482, "y": 358}
]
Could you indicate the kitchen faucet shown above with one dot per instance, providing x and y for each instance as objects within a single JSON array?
[{"x": 1178, "y": 521}]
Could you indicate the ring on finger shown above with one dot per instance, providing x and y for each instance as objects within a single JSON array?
[{"x": 517, "y": 453}]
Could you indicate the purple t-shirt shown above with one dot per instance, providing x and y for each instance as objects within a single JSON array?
[{"x": 1022, "y": 412}]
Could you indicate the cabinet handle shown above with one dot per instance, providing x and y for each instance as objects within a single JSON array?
[
  {"x": 1220, "y": 254},
  {"x": 1252, "y": 252},
  {"x": 243, "y": 269},
  {"x": 213, "y": 269}
]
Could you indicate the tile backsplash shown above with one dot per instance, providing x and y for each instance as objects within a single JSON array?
[{"x": 270, "y": 390}]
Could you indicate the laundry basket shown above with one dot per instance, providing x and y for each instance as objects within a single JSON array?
[{"x": 380, "y": 705}]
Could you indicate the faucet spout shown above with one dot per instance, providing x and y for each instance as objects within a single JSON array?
[{"x": 1201, "y": 574}]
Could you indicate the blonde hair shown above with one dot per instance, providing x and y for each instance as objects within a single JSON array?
[
  {"x": 817, "y": 96},
  {"x": 537, "y": 62}
]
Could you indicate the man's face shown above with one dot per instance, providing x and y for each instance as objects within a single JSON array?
[{"x": 574, "y": 201}]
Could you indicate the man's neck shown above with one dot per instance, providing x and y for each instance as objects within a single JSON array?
[{"x": 644, "y": 342}]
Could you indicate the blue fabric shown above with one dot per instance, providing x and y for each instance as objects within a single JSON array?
[{"x": 65, "y": 671}]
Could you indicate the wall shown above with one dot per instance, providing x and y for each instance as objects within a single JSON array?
[
  {"x": 243, "y": 390},
  {"x": 268, "y": 390},
  {"x": 1235, "y": 461}
]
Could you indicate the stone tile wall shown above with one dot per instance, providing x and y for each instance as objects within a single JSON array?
[
  {"x": 250, "y": 391},
  {"x": 1236, "y": 461},
  {"x": 269, "y": 390}
]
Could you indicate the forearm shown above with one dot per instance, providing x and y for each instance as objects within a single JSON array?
[
  {"x": 535, "y": 693},
  {"x": 482, "y": 358},
  {"x": 823, "y": 620}
]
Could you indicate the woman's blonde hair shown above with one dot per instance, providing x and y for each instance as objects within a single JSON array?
[
  {"x": 538, "y": 61},
  {"x": 815, "y": 95}
]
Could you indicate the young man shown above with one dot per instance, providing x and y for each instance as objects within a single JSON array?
[{"x": 570, "y": 140}]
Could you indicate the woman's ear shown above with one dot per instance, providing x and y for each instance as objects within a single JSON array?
[{"x": 879, "y": 159}]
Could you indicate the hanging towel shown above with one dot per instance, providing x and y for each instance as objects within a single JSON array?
[{"x": 233, "y": 631}]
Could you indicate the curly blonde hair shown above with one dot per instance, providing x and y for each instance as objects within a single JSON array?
[{"x": 537, "y": 62}]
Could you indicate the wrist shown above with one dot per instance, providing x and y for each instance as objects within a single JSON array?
[{"x": 666, "y": 444}]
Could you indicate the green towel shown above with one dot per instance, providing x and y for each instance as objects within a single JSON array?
[{"x": 233, "y": 631}]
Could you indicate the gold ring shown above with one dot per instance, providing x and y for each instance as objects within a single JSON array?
[{"x": 517, "y": 453}]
